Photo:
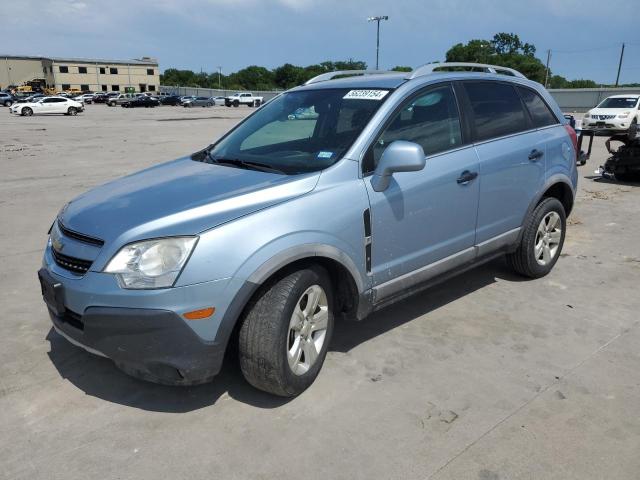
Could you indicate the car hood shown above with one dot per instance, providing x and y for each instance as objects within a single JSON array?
[
  {"x": 609, "y": 111},
  {"x": 182, "y": 197}
]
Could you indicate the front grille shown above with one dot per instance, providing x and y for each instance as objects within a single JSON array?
[
  {"x": 604, "y": 117},
  {"x": 80, "y": 236},
  {"x": 76, "y": 265}
]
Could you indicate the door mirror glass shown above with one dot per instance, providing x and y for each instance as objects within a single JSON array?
[{"x": 400, "y": 156}]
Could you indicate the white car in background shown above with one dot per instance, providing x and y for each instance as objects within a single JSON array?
[
  {"x": 617, "y": 112},
  {"x": 46, "y": 106}
]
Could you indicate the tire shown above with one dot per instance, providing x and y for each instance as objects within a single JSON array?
[
  {"x": 8, "y": 103},
  {"x": 541, "y": 243},
  {"x": 26, "y": 111},
  {"x": 72, "y": 111},
  {"x": 236, "y": 103},
  {"x": 209, "y": 104},
  {"x": 267, "y": 334}
]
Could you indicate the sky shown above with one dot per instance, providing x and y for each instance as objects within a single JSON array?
[{"x": 585, "y": 36}]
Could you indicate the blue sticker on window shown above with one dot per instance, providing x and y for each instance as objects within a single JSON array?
[{"x": 325, "y": 154}]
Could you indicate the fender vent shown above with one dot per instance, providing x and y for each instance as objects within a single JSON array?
[{"x": 366, "y": 216}]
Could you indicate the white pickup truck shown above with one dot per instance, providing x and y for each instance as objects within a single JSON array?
[{"x": 243, "y": 98}]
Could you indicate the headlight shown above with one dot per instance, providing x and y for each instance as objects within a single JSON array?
[
  {"x": 624, "y": 115},
  {"x": 586, "y": 115},
  {"x": 151, "y": 263}
]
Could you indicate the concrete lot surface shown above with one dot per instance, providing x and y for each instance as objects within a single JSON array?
[{"x": 485, "y": 377}]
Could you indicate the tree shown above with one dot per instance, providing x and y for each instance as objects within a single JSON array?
[
  {"x": 505, "y": 49},
  {"x": 401, "y": 68},
  {"x": 287, "y": 76}
]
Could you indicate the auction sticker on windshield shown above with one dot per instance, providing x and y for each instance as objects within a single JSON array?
[{"x": 366, "y": 94}]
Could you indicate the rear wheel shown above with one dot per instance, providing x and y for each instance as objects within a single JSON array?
[
  {"x": 27, "y": 111},
  {"x": 542, "y": 240},
  {"x": 285, "y": 333},
  {"x": 8, "y": 103}
]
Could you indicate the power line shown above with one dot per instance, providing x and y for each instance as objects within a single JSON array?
[{"x": 588, "y": 50}]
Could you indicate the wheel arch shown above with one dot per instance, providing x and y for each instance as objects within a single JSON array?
[
  {"x": 345, "y": 278},
  {"x": 557, "y": 186}
]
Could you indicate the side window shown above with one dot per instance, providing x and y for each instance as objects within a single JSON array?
[
  {"x": 429, "y": 119},
  {"x": 497, "y": 109},
  {"x": 538, "y": 109}
]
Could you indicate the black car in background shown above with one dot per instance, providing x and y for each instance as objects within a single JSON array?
[
  {"x": 171, "y": 100},
  {"x": 141, "y": 101},
  {"x": 103, "y": 97}
]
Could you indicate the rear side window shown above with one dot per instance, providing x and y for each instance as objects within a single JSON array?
[
  {"x": 540, "y": 113},
  {"x": 497, "y": 109}
]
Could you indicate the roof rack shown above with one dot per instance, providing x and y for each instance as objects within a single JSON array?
[
  {"x": 430, "y": 68},
  {"x": 338, "y": 73}
]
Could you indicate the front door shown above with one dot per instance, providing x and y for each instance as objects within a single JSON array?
[{"x": 429, "y": 215}]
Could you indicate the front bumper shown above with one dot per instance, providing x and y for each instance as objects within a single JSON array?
[
  {"x": 152, "y": 344},
  {"x": 142, "y": 331},
  {"x": 607, "y": 125}
]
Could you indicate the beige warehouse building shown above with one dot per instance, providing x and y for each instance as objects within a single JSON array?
[{"x": 81, "y": 73}]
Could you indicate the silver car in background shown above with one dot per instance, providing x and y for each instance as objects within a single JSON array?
[{"x": 198, "y": 102}]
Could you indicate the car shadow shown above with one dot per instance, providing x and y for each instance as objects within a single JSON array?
[
  {"x": 99, "y": 377},
  {"x": 600, "y": 179}
]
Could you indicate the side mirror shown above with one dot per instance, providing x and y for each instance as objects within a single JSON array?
[{"x": 400, "y": 156}]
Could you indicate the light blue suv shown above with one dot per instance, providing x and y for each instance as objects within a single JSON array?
[{"x": 287, "y": 223}]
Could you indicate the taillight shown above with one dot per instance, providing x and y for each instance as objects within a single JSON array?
[{"x": 574, "y": 137}]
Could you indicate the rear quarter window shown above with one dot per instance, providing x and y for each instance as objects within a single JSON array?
[
  {"x": 497, "y": 109},
  {"x": 540, "y": 113}
]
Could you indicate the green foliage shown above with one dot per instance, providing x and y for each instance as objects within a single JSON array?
[
  {"x": 401, "y": 68},
  {"x": 505, "y": 49},
  {"x": 257, "y": 78}
]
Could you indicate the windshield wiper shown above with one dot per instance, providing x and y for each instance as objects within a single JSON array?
[{"x": 236, "y": 162}]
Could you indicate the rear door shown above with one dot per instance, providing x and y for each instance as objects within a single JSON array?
[
  {"x": 59, "y": 105},
  {"x": 512, "y": 155}
]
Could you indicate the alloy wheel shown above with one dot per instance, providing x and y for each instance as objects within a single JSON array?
[
  {"x": 548, "y": 238},
  {"x": 307, "y": 329}
]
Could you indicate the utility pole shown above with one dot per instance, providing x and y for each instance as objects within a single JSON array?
[
  {"x": 378, "y": 19},
  {"x": 620, "y": 65},
  {"x": 219, "y": 77},
  {"x": 546, "y": 75}
]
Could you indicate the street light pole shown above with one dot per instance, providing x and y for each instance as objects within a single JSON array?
[
  {"x": 378, "y": 19},
  {"x": 219, "y": 80}
]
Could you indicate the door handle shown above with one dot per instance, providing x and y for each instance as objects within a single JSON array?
[
  {"x": 466, "y": 176},
  {"x": 535, "y": 154}
]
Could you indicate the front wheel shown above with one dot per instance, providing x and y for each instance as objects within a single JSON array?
[
  {"x": 542, "y": 240},
  {"x": 285, "y": 334},
  {"x": 8, "y": 103},
  {"x": 27, "y": 111},
  {"x": 72, "y": 111}
]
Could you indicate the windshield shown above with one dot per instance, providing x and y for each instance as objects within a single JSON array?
[
  {"x": 301, "y": 131},
  {"x": 619, "y": 102}
]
